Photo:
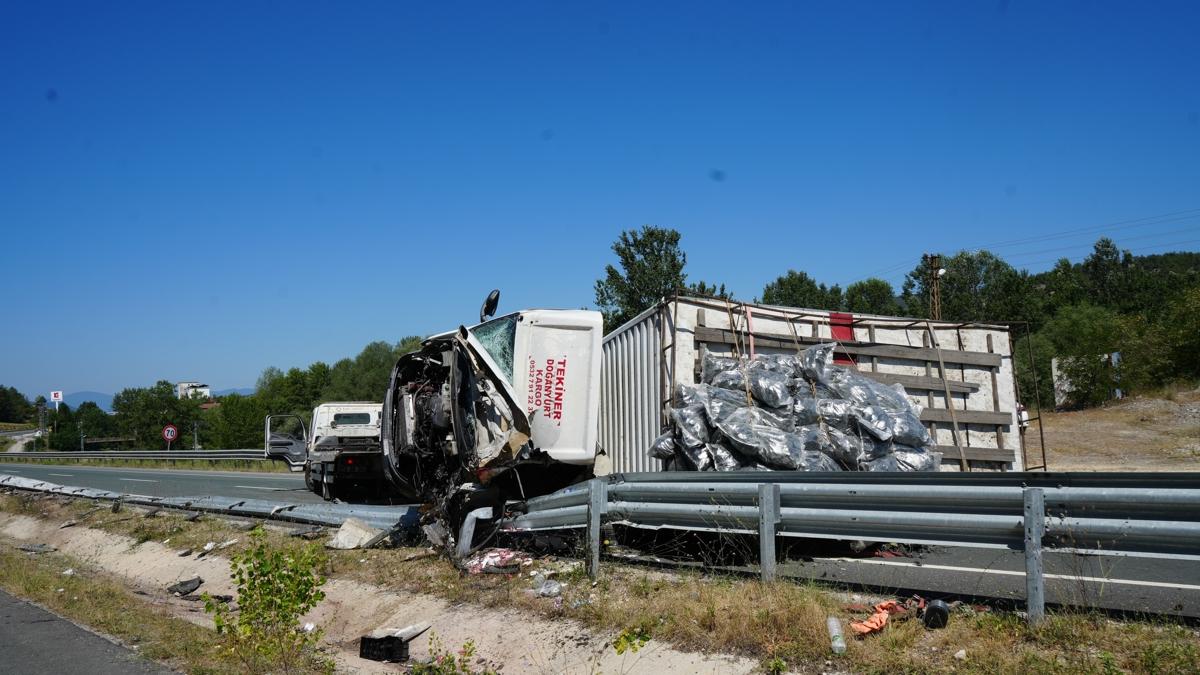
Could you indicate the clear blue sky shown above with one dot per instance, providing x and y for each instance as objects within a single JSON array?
[{"x": 200, "y": 190}]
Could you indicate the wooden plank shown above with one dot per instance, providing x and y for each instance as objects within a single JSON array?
[
  {"x": 968, "y": 416},
  {"x": 724, "y": 336},
  {"x": 921, "y": 382},
  {"x": 950, "y": 453}
]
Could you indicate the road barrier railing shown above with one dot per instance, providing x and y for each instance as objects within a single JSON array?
[
  {"x": 169, "y": 455},
  {"x": 1078, "y": 513}
]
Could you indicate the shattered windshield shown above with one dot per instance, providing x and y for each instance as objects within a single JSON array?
[{"x": 499, "y": 337}]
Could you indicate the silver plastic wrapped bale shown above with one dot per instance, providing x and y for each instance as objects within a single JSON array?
[
  {"x": 835, "y": 412},
  {"x": 907, "y": 429},
  {"x": 722, "y": 458},
  {"x": 715, "y": 364},
  {"x": 747, "y": 415},
  {"x": 663, "y": 447},
  {"x": 769, "y": 387},
  {"x": 691, "y": 427},
  {"x": 730, "y": 379},
  {"x": 691, "y": 394},
  {"x": 721, "y": 403},
  {"x": 698, "y": 457},
  {"x": 816, "y": 361},
  {"x": 874, "y": 420},
  {"x": 903, "y": 458},
  {"x": 766, "y": 443},
  {"x": 804, "y": 411}
]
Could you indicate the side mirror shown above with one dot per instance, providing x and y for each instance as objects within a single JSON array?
[{"x": 489, "y": 305}]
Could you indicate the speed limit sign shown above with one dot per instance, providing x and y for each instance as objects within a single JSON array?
[{"x": 170, "y": 433}]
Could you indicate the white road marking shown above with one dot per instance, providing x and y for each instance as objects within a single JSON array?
[
  {"x": 260, "y": 487},
  {"x": 67, "y": 475},
  {"x": 1018, "y": 573},
  {"x": 139, "y": 480}
]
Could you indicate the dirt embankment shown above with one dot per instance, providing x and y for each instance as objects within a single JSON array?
[{"x": 1137, "y": 434}]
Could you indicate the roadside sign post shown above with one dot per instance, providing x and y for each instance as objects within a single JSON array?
[
  {"x": 169, "y": 434},
  {"x": 56, "y": 397}
]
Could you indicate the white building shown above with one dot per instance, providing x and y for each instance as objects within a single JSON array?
[{"x": 193, "y": 390}]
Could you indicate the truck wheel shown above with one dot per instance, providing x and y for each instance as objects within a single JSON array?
[
  {"x": 328, "y": 493},
  {"x": 308, "y": 480}
]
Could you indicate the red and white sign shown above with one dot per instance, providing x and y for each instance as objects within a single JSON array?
[
  {"x": 56, "y": 397},
  {"x": 170, "y": 433}
]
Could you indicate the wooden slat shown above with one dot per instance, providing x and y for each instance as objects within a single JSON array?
[
  {"x": 950, "y": 453},
  {"x": 775, "y": 341},
  {"x": 921, "y": 382},
  {"x": 967, "y": 416}
]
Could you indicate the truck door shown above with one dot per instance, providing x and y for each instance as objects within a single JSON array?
[{"x": 286, "y": 440}]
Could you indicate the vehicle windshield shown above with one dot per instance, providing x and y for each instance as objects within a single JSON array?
[
  {"x": 343, "y": 419},
  {"x": 499, "y": 338}
]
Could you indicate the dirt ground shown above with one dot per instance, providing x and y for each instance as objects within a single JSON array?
[
  {"x": 1136, "y": 434},
  {"x": 512, "y": 641}
]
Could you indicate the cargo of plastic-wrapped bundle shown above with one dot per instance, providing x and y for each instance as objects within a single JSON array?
[{"x": 798, "y": 413}]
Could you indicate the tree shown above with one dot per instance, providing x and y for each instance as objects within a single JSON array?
[
  {"x": 143, "y": 412},
  {"x": 871, "y": 296},
  {"x": 977, "y": 286},
  {"x": 14, "y": 407},
  {"x": 1080, "y": 336},
  {"x": 1106, "y": 273},
  {"x": 94, "y": 422},
  {"x": 651, "y": 269},
  {"x": 797, "y": 289},
  {"x": 64, "y": 434},
  {"x": 236, "y": 422}
]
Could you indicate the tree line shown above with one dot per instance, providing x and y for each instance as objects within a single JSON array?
[{"x": 1145, "y": 307}]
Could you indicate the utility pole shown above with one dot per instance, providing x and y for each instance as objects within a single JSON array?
[{"x": 934, "y": 265}]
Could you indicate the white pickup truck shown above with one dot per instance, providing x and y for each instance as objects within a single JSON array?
[
  {"x": 339, "y": 453},
  {"x": 509, "y": 407}
]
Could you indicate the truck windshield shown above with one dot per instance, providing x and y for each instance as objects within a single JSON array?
[
  {"x": 342, "y": 419},
  {"x": 499, "y": 338}
]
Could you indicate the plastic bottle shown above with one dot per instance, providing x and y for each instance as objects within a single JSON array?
[{"x": 835, "y": 635}]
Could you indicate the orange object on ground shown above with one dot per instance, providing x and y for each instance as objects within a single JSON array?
[{"x": 877, "y": 620}]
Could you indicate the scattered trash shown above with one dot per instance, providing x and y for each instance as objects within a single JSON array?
[
  {"x": 37, "y": 548},
  {"x": 389, "y": 644},
  {"x": 836, "y": 640},
  {"x": 186, "y": 586},
  {"x": 185, "y": 553},
  {"x": 353, "y": 534},
  {"x": 961, "y": 655},
  {"x": 61, "y": 590},
  {"x": 226, "y": 544},
  {"x": 309, "y": 627},
  {"x": 207, "y": 549},
  {"x": 546, "y": 588},
  {"x": 496, "y": 561},
  {"x": 307, "y": 532},
  {"x": 69, "y": 523},
  {"x": 937, "y": 614},
  {"x": 879, "y": 619},
  {"x": 69, "y": 572}
]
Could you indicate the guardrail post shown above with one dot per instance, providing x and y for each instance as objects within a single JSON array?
[
  {"x": 768, "y": 515},
  {"x": 1035, "y": 529},
  {"x": 597, "y": 505}
]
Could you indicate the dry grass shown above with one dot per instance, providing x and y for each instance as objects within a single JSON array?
[
  {"x": 716, "y": 613},
  {"x": 107, "y": 606},
  {"x": 1146, "y": 433}
]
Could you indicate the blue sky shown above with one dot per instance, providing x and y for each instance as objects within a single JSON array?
[{"x": 200, "y": 190}]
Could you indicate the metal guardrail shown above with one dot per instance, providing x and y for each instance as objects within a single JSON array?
[
  {"x": 330, "y": 514},
  {"x": 170, "y": 455},
  {"x": 1075, "y": 513}
]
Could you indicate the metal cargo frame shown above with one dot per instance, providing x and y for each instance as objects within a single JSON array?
[{"x": 962, "y": 373}]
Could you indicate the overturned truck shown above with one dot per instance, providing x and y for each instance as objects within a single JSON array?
[{"x": 749, "y": 386}]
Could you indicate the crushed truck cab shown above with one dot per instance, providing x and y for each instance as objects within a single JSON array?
[{"x": 510, "y": 404}]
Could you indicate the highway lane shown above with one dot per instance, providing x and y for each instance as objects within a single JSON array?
[{"x": 171, "y": 482}]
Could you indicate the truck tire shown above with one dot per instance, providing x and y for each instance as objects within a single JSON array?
[{"x": 308, "y": 480}]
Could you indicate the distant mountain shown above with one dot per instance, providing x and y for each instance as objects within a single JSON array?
[
  {"x": 99, "y": 398},
  {"x": 243, "y": 391}
]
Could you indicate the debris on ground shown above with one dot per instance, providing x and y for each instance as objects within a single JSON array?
[
  {"x": 193, "y": 517},
  {"x": 185, "y": 553},
  {"x": 546, "y": 588},
  {"x": 226, "y": 544},
  {"x": 307, "y": 532},
  {"x": 496, "y": 561},
  {"x": 69, "y": 572},
  {"x": 937, "y": 614},
  {"x": 353, "y": 534},
  {"x": 960, "y": 655},
  {"x": 797, "y": 413},
  {"x": 37, "y": 548},
  {"x": 186, "y": 586},
  {"x": 208, "y": 548},
  {"x": 69, "y": 523},
  {"x": 152, "y": 512},
  {"x": 389, "y": 644},
  {"x": 882, "y": 611}
]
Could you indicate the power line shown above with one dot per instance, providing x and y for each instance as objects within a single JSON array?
[
  {"x": 1072, "y": 248},
  {"x": 1132, "y": 250}
]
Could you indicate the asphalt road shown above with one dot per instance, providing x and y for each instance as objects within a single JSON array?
[
  {"x": 171, "y": 482},
  {"x": 37, "y": 642}
]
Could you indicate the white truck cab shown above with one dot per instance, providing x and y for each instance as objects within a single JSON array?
[{"x": 340, "y": 449}]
